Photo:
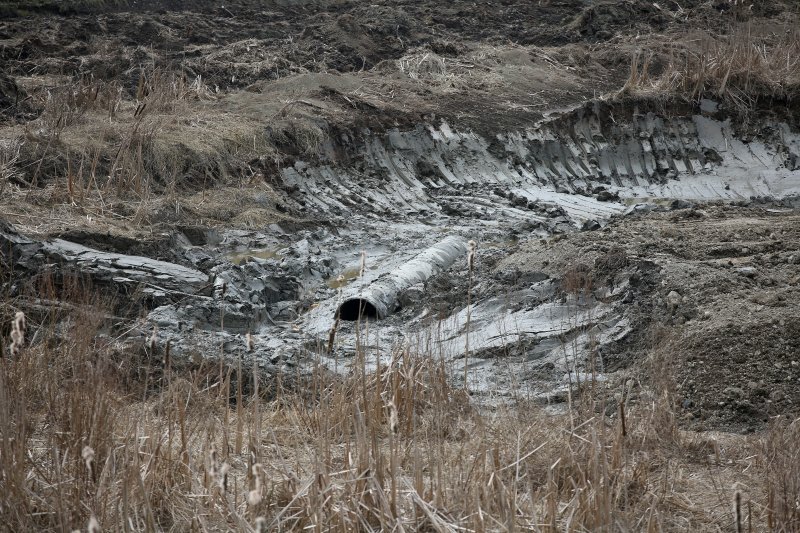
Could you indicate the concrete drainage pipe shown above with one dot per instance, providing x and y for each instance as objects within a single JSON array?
[{"x": 380, "y": 298}]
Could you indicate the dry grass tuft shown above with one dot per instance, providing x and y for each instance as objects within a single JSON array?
[
  {"x": 118, "y": 146},
  {"x": 9, "y": 158},
  {"x": 452, "y": 73},
  {"x": 737, "y": 68},
  {"x": 783, "y": 475}
]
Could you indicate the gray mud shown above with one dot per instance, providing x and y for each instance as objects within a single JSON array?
[
  {"x": 383, "y": 226},
  {"x": 521, "y": 331}
]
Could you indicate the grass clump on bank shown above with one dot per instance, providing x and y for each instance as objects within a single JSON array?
[{"x": 739, "y": 68}]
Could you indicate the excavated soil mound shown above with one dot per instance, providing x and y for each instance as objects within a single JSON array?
[{"x": 715, "y": 286}]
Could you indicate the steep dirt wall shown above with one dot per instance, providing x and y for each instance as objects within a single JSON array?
[{"x": 587, "y": 162}]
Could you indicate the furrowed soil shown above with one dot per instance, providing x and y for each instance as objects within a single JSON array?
[{"x": 564, "y": 202}]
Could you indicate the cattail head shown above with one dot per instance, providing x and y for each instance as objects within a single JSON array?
[
  {"x": 253, "y": 498},
  {"x": 394, "y": 423},
  {"x": 18, "y": 327},
  {"x": 88, "y": 457},
  {"x": 19, "y": 322},
  {"x": 212, "y": 464},
  {"x": 250, "y": 342},
  {"x": 223, "y": 476},
  {"x": 339, "y": 288},
  {"x": 363, "y": 268},
  {"x": 153, "y": 339},
  {"x": 94, "y": 525},
  {"x": 737, "y": 510},
  {"x": 218, "y": 472},
  {"x": 471, "y": 246},
  {"x": 256, "y": 471}
]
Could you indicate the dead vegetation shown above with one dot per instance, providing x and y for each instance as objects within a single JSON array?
[
  {"x": 783, "y": 475},
  {"x": 452, "y": 74},
  {"x": 477, "y": 69},
  {"x": 102, "y": 150},
  {"x": 162, "y": 129},
  {"x": 738, "y": 68},
  {"x": 91, "y": 430}
]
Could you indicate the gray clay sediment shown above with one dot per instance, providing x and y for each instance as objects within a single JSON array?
[{"x": 411, "y": 200}]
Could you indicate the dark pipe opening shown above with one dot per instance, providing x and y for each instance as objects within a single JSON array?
[{"x": 354, "y": 308}]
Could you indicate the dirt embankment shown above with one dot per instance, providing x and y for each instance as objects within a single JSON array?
[
  {"x": 145, "y": 127},
  {"x": 710, "y": 297},
  {"x": 405, "y": 63}
]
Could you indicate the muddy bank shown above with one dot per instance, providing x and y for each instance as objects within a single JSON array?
[
  {"x": 591, "y": 163},
  {"x": 594, "y": 229},
  {"x": 221, "y": 171}
]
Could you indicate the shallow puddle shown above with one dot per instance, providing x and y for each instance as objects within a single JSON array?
[
  {"x": 343, "y": 279},
  {"x": 241, "y": 257}
]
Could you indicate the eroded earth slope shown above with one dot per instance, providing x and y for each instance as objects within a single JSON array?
[{"x": 629, "y": 177}]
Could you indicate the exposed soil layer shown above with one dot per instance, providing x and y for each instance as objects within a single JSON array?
[
  {"x": 222, "y": 167},
  {"x": 715, "y": 286}
]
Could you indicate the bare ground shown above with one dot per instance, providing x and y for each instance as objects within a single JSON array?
[{"x": 715, "y": 287}]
